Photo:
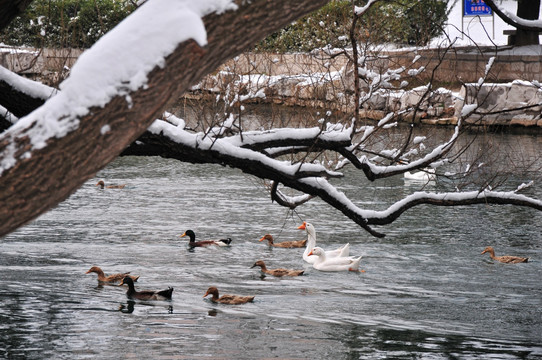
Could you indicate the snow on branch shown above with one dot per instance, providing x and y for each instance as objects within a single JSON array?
[
  {"x": 31, "y": 88},
  {"x": 226, "y": 153},
  {"x": 514, "y": 20},
  {"x": 121, "y": 84},
  {"x": 451, "y": 199},
  {"x": 90, "y": 84},
  {"x": 290, "y": 202},
  {"x": 360, "y": 10}
]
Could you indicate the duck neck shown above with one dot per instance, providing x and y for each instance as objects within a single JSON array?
[
  {"x": 131, "y": 289},
  {"x": 311, "y": 243},
  {"x": 320, "y": 258},
  {"x": 492, "y": 254},
  {"x": 101, "y": 275}
]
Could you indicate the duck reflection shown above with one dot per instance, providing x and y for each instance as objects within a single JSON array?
[{"x": 129, "y": 307}]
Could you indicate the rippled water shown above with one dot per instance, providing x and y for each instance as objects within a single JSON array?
[{"x": 426, "y": 291}]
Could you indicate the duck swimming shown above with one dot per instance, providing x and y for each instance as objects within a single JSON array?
[
  {"x": 203, "y": 243},
  {"x": 101, "y": 184},
  {"x": 145, "y": 294},
  {"x": 507, "y": 259},
  {"x": 113, "y": 278},
  {"x": 323, "y": 263},
  {"x": 277, "y": 272},
  {"x": 342, "y": 251},
  {"x": 227, "y": 299},
  {"x": 283, "y": 244}
]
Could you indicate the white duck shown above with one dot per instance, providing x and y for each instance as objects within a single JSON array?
[
  {"x": 343, "y": 251},
  {"x": 425, "y": 175},
  {"x": 323, "y": 263}
]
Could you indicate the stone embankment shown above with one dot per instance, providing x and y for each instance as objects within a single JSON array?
[
  {"x": 49, "y": 66},
  {"x": 321, "y": 80},
  {"x": 318, "y": 80}
]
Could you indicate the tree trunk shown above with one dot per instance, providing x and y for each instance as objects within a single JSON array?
[
  {"x": 526, "y": 33},
  {"x": 10, "y": 9},
  {"x": 529, "y": 10}
]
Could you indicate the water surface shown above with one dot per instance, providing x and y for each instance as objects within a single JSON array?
[{"x": 426, "y": 292}]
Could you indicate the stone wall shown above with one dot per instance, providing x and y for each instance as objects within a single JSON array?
[
  {"x": 496, "y": 101},
  {"x": 452, "y": 65},
  {"x": 455, "y": 65},
  {"x": 46, "y": 65},
  {"x": 320, "y": 81}
]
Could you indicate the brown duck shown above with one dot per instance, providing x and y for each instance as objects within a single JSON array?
[
  {"x": 145, "y": 294},
  {"x": 101, "y": 184},
  {"x": 505, "y": 258},
  {"x": 113, "y": 278},
  {"x": 227, "y": 299},
  {"x": 277, "y": 272},
  {"x": 284, "y": 244}
]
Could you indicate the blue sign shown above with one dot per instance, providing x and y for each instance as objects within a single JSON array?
[{"x": 475, "y": 8}]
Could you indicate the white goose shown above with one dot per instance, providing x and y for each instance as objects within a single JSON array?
[
  {"x": 343, "y": 251},
  {"x": 323, "y": 263},
  {"x": 425, "y": 175}
]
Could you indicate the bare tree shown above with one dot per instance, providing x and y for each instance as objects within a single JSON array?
[{"x": 41, "y": 166}]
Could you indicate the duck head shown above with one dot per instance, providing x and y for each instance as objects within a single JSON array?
[
  {"x": 488, "y": 249},
  {"x": 190, "y": 234},
  {"x": 94, "y": 269},
  {"x": 127, "y": 281},
  {"x": 267, "y": 237},
  {"x": 259, "y": 263},
  {"x": 318, "y": 251},
  {"x": 101, "y": 184},
  {"x": 212, "y": 291},
  {"x": 309, "y": 228}
]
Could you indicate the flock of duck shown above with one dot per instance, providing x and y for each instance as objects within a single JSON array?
[
  {"x": 331, "y": 260},
  {"x": 323, "y": 260}
]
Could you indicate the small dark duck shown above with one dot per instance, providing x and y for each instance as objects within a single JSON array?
[
  {"x": 145, "y": 294},
  {"x": 203, "y": 243}
]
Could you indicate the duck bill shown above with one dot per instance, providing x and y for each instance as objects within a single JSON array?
[
  {"x": 183, "y": 235},
  {"x": 121, "y": 282},
  {"x": 302, "y": 226},
  {"x": 88, "y": 272},
  {"x": 310, "y": 253},
  {"x": 207, "y": 293},
  {"x": 262, "y": 239}
]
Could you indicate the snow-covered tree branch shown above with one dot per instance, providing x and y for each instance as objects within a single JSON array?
[{"x": 117, "y": 89}]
